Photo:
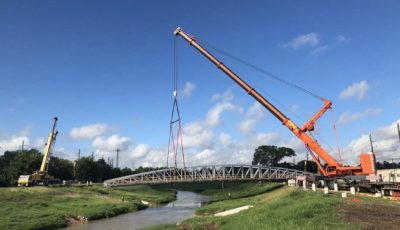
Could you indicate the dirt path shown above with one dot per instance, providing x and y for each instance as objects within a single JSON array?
[{"x": 371, "y": 215}]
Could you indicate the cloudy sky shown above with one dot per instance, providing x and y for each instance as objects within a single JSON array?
[{"x": 105, "y": 68}]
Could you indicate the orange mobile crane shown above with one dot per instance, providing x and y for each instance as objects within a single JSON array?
[{"x": 333, "y": 168}]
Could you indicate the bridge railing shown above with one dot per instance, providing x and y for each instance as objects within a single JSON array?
[{"x": 208, "y": 173}]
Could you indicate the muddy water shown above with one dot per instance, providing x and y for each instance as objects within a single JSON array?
[{"x": 176, "y": 211}]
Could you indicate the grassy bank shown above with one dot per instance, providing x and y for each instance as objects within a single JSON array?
[
  {"x": 278, "y": 207},
  {"x": 54, "y": 207},
  {"x": 221, "y": 191}
]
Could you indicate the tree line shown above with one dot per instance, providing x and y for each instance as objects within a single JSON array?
[{"x": 16, "y": 163}]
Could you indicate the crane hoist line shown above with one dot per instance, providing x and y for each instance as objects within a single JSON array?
[{"x": 333, "y": 167}]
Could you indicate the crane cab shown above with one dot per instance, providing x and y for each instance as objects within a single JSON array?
[{"x": 25, "y": 180}]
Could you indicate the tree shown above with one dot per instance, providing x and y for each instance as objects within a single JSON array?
[
  {"x": 271, "y": 155},
  {"x": 311, "y": 166},
  {"x": 16, "y": 163},
  {"x": 88, "y": 170},
  {"x": 61, "y": 168}
]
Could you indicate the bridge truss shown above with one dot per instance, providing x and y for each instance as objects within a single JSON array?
[{"x": 208, "y": 173}]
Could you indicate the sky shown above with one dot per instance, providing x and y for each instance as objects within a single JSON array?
[{"x": 106, "y": 70}]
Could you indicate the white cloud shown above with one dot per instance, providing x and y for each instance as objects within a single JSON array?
[
  {"x": 226, "y": 96},
  {"x": 197, "y": 135},
  {"x": 214, "y": 114},
  {"x": 310, "y": 39},
  {"x": 139, "y": 151},
  {"x": 205, "y": 155},
  {"x": 272, "y": 138},
  {"x": 348, "y": 117},
  {"x": 385, "y": 141},
  {"x": 111, "y": 143},
  {"x": 320, "y": 49},
  {"x": 341, "y": 38},
  {"x": 188, "y": 89},
  {"x": 88, "y": 131},
  {"x": 247, "y": 125},
  {"x": 225, "y": 103},
  {"x": 225, "y": 139},
  {"x": 256, "y": 111},
  {"x": 64, "y": 153},
  {"x": 358, "y": 90},
  {"x": 14, "y": 142},
  {"x": 255, "y": 114}
]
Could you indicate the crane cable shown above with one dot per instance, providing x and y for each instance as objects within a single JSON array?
[
  {"x": 263, "y": 71},
  {"x": 277, "y": 78},
  {"x": 336, "y": 137},
  {"x": 174, "y": 140}
]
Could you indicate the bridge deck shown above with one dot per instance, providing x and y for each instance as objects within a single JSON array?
[{"x": 208, "y": 173}]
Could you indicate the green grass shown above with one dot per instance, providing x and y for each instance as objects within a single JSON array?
[
  {"x": 236, "y": 188},
  {"x": 283, "y": 208},
  {"x": 274, "y": 207},
  {"x": 48, "y": 207}
]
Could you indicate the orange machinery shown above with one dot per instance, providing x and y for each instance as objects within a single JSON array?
[{"x": 333, "y": 168}]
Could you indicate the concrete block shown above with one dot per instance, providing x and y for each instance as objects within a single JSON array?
[
  {"x": 353, "y": 190},
  {"x": 326, "y": 190},
  {"x": 335, "y": 187},
  {"x": 344, "y": 195},
  {"x": 313, "y": 187}
]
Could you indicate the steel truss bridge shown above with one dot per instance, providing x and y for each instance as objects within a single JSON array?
[{"x": 208, "y": 173}]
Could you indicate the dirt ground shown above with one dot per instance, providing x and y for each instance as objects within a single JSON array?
[{"x": 371, "y": 215}]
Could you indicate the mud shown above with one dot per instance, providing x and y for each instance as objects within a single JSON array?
[{"x": 371, "y": 216}]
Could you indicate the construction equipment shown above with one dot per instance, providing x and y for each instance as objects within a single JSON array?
[
  {"x": 41, "y": 177},
  {"x": 329, "y": 168}
]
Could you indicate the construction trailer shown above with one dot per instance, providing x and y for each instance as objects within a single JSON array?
[
  {"x": 389, "y": 175},
  {"x": 41, "y": 177}
]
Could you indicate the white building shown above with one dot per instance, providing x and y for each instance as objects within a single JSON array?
[{"x": 389, "y": 175}]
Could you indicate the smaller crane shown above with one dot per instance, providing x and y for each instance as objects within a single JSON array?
[{"x": 41, "y": 177}]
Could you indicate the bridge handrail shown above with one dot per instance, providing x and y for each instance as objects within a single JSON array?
[{"x": 193, "y": 168}]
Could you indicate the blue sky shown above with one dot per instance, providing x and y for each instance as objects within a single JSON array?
[{"x": 105, "y": 68}]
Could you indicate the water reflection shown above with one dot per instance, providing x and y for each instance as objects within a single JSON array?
[{"x": 176, "y": 211}]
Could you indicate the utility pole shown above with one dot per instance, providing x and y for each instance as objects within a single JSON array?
[
  {"x": 92, "y": 156},
  {"x": 398, "y": 130},
  {"x": 22, "y": 145},
  {"x": 117, "y": 157},
  {"x": 76, "y": 166},
  {"x": 370, "y": 141},
  {"x": 305, "y": 162}
]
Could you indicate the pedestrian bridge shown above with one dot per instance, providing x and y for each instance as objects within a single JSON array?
[{"x": 208, "y": 173}]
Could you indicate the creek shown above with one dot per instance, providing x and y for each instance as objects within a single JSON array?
[{"x": 182, "y": 208}]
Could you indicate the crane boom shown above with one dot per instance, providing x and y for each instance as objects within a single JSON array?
[
  {"x": 49, "y": 146},
  {"x": 41, "y": 177},
  {"x": 334, "y": 168}
]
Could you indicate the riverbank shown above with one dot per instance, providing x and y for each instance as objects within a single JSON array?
[
  {"x": 56, "y": 207},
  {"x": 176, "y": 211},
  {"x": 282, "y": 207}
]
